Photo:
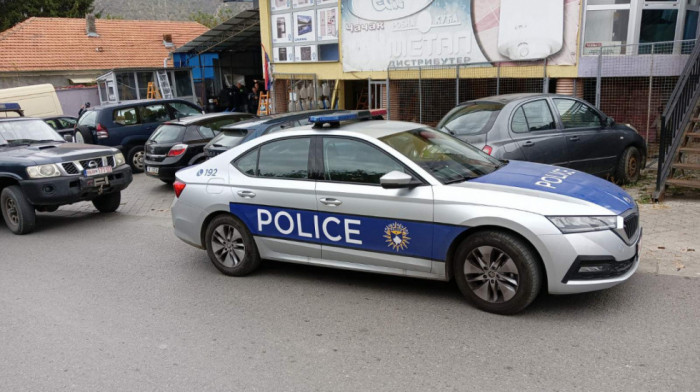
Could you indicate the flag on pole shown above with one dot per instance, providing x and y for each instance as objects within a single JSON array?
[{"x": 266, "y": 70}]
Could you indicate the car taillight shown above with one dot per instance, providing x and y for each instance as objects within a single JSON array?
[
  {"x": 487, "y": 149},
  {"x": 177, "y": 150},
  {"x": 101, "y": 132},
  {"x": 178, "y": 186}
]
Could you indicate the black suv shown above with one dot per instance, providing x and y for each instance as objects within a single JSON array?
[
  {"x": 127, "y": 125},
  {"x": 39, "y": 171}
]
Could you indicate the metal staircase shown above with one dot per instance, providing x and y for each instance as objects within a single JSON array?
[{"x": 679, "y": 145}]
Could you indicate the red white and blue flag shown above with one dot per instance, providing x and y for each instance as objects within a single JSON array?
[{"x": 266, "y": 70}]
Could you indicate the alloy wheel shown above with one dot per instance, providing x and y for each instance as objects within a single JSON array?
[
  {"x": 12, "y": 211},
  {"x": 137, "y": 160},
  {"x": 491, "y": 274},
  {"x": 228, "y": 246}
]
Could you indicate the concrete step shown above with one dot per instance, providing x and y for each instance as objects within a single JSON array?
[
  {"x": 683, "y": 183},
  {"x": 690, "y": 150},
  {"x": 693, "y": 135},
  {"x": 686, "y": 166}
]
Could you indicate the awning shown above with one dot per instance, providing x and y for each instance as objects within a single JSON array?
[{"x": 238, "y": 34}]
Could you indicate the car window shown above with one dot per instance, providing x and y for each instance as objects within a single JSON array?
[
  {"x": 287, "y": 158},
  {"x": 153, "y": 113},
  {"x": 211, "y": 129},
  {"x": 576, "y": 114},
  {"x": 66, "y": 122},
  {"x": 125, "y": 116},
  {"x": 89, "y": 119},
  {"x": 248, "y": 162},
  {"x": 181, "y": 109},
  {"x": 471, "y": 119},
  {"x": 533, "y": 116},
  {"x": 347, "y": 160},
  {"x": 168, "y": 133},
  {"x": 192, "y": 134},
  {"x": 53, "y": 124},
  {"x": 282, "y": 127}
]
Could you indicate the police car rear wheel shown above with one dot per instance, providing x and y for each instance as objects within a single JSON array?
[
  {"x": 231, "y": 247},
  {"x": 497, "y": 272}
]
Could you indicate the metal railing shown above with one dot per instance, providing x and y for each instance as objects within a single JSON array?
[{"x": 676, "y": 118}]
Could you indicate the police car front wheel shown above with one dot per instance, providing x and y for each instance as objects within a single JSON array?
[
  {"x": 497, "y": 271},
  {"x": 231, "y": 247}
]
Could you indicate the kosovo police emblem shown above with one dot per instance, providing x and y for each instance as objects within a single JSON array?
[{"x": 396, "y": 236}]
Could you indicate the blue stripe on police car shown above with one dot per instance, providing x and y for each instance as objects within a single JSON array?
[{"x": 374, "y": 234}]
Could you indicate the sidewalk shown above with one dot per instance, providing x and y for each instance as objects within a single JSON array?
[{"x": 671, "y": 239}]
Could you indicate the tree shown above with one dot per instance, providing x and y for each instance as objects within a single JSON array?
[
  {"x": 209, "y": 20},
  {"x": 15, "y": 11}
]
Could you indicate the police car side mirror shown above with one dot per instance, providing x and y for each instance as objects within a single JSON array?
[{"x": 395, "y": 180}]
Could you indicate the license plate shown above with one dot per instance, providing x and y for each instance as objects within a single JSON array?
[
  {"x": 151, "y": 169},
  {"x": 97, "y": 171}
]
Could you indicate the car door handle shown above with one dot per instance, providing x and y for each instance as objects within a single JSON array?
[
  {"x": 246, "y": 194},
  {"x": 331, "y": 202},
  {"x": 528, "y": 143},
  {"x": 574, "y": 138}
]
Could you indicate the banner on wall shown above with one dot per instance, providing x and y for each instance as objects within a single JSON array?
[{"x": 382, "y": 34}]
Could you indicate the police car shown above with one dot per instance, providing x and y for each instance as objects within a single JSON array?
[{"x": 404, "y": 199}]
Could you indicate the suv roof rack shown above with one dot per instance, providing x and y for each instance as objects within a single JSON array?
[{"x": 333, "y": 119}]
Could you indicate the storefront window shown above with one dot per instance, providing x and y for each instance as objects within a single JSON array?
[
  {"x": 183, "y": 84},
  {"x": 126, "y": 85},
  {"x": 144, "y": 78},
  {"x": 606, "y": 28},
  {"x": 657, "y": 26}
]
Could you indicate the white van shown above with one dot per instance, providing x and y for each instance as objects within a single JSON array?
[{"x": 39, "y": 100}]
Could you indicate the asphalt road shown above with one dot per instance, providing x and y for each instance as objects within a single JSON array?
[{"x": 116, "y": 303}]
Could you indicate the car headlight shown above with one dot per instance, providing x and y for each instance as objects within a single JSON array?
[
  {"x": 43, "y": 171},
  {"x": 119, "y": 159},
  {"x": 582, "y": 224}
]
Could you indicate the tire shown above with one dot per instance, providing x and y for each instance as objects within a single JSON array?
[
  {"x": 135, "y": 158},
  {"x": 231, "y": 247},
  {"x": 107, "y": 203},
  {"x": 507, "y": 288},
  {"x": 19, "y": 215},
  {"x": 629, "y": 166},
  {"x": 83, "y": 133}
]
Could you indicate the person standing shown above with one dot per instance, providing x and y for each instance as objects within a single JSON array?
[
  {"x": 239, "y": 98},
  {"x": 253, "y": 100}
]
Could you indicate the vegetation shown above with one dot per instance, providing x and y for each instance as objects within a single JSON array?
[{"x": 15, "y": 11}]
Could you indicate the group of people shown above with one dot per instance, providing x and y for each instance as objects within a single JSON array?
[{"x": 239, "y": 99}]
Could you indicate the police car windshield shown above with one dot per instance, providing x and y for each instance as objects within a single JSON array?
[
  {"x": 27, "y": 132},
  {"x": 448, "y": 159}
]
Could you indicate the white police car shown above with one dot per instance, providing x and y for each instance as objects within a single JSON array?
[{"x": 403, "y": 199}]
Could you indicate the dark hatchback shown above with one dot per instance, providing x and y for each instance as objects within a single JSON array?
[
  {"x": 235, "y": 134},
  {"x": 177, "y": 144},
  {"x": 552, "y": 129}
]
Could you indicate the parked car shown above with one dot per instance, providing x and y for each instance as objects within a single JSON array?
[
  {"x": 243, "y": 131},
  {"x": 549, "y": 128},
  {"x": 127, "y": 125},
  {"x": 64, "y": 125},
  {"x": 180, "y": 143},
  {"x": 39, "y": 171}
]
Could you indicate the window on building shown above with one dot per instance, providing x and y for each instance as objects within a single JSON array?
[
  {"x": 657, "y": 29},
  {"x": 606, "y": 28}
]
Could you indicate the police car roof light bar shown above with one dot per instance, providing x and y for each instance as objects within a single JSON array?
[{"x": 334, "y": 119}]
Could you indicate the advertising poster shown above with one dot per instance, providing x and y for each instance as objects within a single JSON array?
[
  {"x": 304, "y": 26},
  {"x": 378, "y": 35},
  {"x": 327, "y": 22},
  {"x": 281, "y": 28},
  {"x": 283, "y": 54},
  {"x": 303, "y": 3},
  {"x": 306, "y": 53},
  {"x": 324, "y": 2},
  {"x": 280, "y": 5}
]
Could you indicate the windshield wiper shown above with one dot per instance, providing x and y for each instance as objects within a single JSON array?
[
  {"x": 448, "y": 130},
  {"x": 461, "y": 178}
]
